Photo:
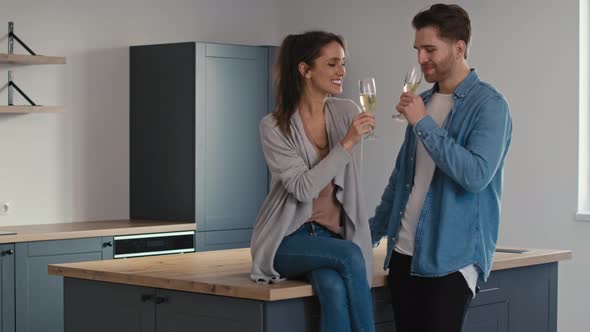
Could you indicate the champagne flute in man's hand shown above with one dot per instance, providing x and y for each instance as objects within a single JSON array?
[{"x": 411, "y": 83}]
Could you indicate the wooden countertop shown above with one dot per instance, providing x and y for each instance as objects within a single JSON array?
[
  {"x": 90, "y": 229},
  {"x": 226, "y": 272}
]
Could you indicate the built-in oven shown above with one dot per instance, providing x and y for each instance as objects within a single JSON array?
[{"x": 138, "y": 245}]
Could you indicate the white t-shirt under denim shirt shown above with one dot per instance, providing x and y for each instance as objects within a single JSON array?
[{"x": 438, "y": 108}]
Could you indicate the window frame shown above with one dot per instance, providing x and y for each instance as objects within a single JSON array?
[{"x": 583, "y": 210}]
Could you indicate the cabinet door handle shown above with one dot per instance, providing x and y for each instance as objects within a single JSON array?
[
  {"x": 107, "y": 244},
  {"x": 160, "y": 299},
  {"x": 146, "y": 297},
  {"x": 7, "y": 252}
]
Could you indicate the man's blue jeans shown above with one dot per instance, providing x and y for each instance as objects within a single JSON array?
[{"x": 336, "y": 270}]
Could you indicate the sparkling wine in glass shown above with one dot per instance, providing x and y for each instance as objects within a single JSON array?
[
  {"x": 411, "y": 84},
  {"x": 368, "y": 99}
]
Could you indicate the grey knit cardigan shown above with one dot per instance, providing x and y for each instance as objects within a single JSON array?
[{"x": 297, "y": 177}]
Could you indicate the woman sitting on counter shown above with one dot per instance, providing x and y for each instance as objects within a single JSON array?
[{"x": 313, "y": 224}]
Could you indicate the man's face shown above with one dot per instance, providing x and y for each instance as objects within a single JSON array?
[{"x": 438, "y": 57}]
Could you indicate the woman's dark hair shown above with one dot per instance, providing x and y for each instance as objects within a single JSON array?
[
  {"x": 452, "y": 22},
  {"x": 289, "y": 83}
]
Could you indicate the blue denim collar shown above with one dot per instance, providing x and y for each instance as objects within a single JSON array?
[{"x": 460, "y": 91}]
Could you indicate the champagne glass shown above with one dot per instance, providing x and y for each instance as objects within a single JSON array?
[
  {"x": 411, "y": 83},
  {"x": 368, "y": 99}
]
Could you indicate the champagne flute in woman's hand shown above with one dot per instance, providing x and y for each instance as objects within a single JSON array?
[
  {"x": 368, "y": 97},
  {"x": 411, "y": 83}
]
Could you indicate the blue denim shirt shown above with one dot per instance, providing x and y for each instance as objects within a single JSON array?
[{"x": 458, "y": 224}]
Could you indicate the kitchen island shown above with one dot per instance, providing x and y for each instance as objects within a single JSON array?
[{"x": 211, "y": 291}]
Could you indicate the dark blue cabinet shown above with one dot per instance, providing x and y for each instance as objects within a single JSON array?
[
  {"x": 39, "y": 296},
  {"x": 142, "y": 309},
  {"x": 119, "y": 308},
  {"x": 195, "y": 151},
  {"x": 7, "y": 288}
]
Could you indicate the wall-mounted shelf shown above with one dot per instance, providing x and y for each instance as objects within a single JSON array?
[
  {"x": 30, "y": 109},
  {"x": 32, "y": 59},
  {"x": 25, "y": 59}
]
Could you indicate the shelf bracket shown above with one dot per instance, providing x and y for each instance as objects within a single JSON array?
[
  {"x": 12, "y": 37},
  {"x": 12, "y": 85}
]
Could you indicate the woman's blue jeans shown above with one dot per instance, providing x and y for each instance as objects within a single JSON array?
[{"x": 336, "y": 270}]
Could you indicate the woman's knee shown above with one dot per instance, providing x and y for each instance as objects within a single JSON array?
[
  {"x": 329, "y": 286},
  {"x": 353, "y": 258}
]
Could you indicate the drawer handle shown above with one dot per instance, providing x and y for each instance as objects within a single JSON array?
[
  {"x": 8, "y": 252},
  {"x": 107, "y": 244}
]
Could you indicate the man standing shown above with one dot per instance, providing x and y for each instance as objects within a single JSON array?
[{"x": 441, "y": 207}]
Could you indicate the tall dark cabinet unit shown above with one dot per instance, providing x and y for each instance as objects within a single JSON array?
[{"x": 195, "y": 151}]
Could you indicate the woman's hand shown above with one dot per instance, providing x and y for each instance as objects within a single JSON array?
[{"x": 361, "y": 125}]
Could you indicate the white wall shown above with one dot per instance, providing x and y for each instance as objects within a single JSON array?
[
  {"x": 529, "y": 50},
  {"x": 74, "y": 166}
]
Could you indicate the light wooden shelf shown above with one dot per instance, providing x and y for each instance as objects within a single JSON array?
[
  {"x": 25, "y": 59},
  {"x": 30, "y": 109}
]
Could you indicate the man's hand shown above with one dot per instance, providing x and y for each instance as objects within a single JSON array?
[{"x": 412, "y": 107}]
